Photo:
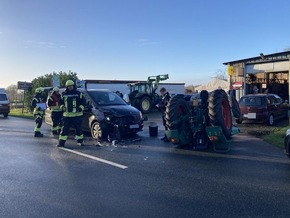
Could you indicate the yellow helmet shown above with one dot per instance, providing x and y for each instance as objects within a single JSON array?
[
  {"x": 38, "y": 90},
  {"x": 69, "y": 83},
  {"x": 55, "y": 89}
]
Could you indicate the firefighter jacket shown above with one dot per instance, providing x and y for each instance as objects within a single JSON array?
[
  {"x": 53, "y": 101},
  {"x": 36, "y": 104},
  {"x": 164, "y": 101},
  {"x": 72, "y": 103}
]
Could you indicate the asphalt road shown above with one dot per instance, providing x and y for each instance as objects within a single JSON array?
[{"x": 138, "y": 177}]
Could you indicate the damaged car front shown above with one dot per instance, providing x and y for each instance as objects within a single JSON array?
[{"x": 108, "y": 114}]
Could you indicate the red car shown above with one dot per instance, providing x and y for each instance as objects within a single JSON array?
[{"x": 262, "y": 107}]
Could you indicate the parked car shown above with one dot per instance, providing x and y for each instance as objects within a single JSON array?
[
  {"x": 287, "y": 143},
  {"x": 262, "y": 107},
  {"x": 107, "y": 113},
  {"x": 4, "y": 103}
]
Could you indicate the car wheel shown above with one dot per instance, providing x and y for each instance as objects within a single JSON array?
[
  {"x": 98, "y": 132},
  {"x": 270, "y": 120},
  {"x": 288, "y": 154},
  {"x": 239, "y": 121},
  {"x": 5, "y": 115},
  {"x": 287, "y": 145}
]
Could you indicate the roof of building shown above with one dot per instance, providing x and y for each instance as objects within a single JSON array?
[{"x": 280, "y": 56}]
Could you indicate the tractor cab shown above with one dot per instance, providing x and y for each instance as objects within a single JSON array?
[{"x": 143, "y": 94}]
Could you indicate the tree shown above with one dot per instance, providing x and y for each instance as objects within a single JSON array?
[
  {"x": 13, "y": 93},
  {"x": 46, "y": 82}
]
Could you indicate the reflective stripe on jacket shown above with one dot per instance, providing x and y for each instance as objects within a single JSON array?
[{"x": 73, "y": 101}]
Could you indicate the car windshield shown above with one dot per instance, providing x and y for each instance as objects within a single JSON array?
[
  {"x": 251, "y": 101},
  {"x": 104, "y": 98},
  {"x": 3, "y": 97}
]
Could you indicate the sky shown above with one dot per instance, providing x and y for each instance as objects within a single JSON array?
[{"x": 133, "y": 39}]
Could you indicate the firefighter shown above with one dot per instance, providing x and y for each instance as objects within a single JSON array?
[
  {"x": 165, "y": 97},
  {"x": 72, "y": 103},
  {"x": 37, "y": 104},
  {"x": 56, "y": 113}
]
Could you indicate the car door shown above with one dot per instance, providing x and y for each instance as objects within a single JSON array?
[
  {"x": 272, "y": 104},
  {"x": 283, "y": 108},
  {"x": 47, "y": 116},
  {"x": 86, "y": 114}
]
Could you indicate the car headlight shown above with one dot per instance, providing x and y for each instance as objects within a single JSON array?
[{"x": 287, "y": 132}]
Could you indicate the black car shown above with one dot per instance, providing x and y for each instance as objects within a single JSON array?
[{"x": 106, "y": 113}]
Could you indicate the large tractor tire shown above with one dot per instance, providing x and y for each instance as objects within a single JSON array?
[
  {"x": 204, "y": 98},
  {"x": 220, "y": 111},
  {"x": 145, "y": 104},
  {"x": 235, "y": 107},
  {"x": 176, "y": 109}
]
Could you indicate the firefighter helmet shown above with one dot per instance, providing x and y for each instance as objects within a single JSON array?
[
  {"x": 38, "y": 90},
  {"x": 69, "y": 83}
]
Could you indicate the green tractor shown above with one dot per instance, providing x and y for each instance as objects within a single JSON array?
[
  {"x": 143, "y": 94},
  {"x": 204, "y": 120}
]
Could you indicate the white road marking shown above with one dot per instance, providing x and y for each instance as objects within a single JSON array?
[{"x": 95, "y": 158}]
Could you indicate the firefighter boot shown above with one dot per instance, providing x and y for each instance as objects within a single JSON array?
[
  {"x": 80, "y": 142},
  {"x": 38, "y": 134},
  {"x": 60, "y": 143},
  {"x": 165, "y": 139}
]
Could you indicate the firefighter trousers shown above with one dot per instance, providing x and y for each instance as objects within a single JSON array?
[
  {"x": 56, "y": 117},
  {"x": 38, "y": 118},
  {"x": 69, "y": 122}
]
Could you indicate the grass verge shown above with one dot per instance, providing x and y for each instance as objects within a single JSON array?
[
  {"x": 276, "y": 136},
  {"x": 18, "y": 112}
]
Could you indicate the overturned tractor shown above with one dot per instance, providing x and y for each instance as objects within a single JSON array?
[{"x": 203, "y": 120}]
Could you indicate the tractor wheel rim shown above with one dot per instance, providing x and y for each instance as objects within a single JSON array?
[{"x": 145, "y": 105}]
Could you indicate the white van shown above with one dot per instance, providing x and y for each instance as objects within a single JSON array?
[{"x": 4, "y": 103}]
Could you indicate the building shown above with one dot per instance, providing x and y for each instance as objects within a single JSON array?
[{"x": 269, "y": 73}]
